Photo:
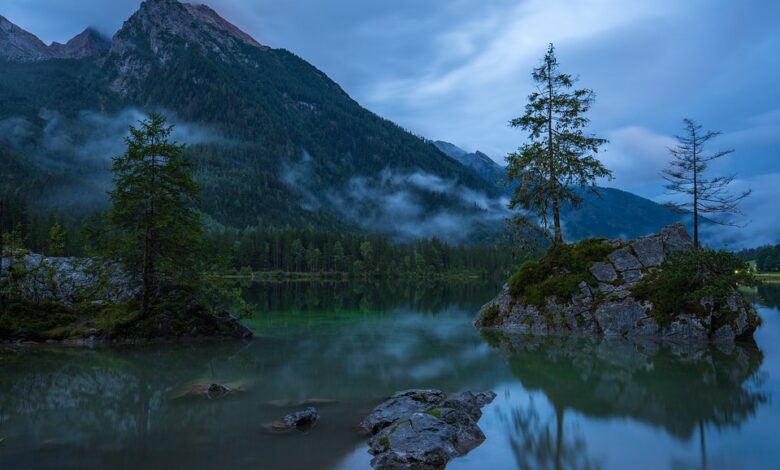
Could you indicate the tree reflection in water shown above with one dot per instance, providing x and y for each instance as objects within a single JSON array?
[{"x": 682, "y": 388}]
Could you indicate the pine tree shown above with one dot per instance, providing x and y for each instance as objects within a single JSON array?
[
  {"x": 686, "y": 176},
  {"x": 558, "y": 159},
  {"x": 56, "y": 241},
  {"x": 158, "y": 233}
]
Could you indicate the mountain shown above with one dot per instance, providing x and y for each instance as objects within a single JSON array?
[
  {"x": 609, "y": 212},
  {"x": 88, "y": 43},
  {"x": 483, "y": 165},
  {"x": 276, "y": 141},
  {"x": 19, "y": 45}
]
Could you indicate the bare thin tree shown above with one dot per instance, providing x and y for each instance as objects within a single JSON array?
[{"x": 686, "y": 176}]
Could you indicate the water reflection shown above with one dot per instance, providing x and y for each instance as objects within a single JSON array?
[
  {"x": 682, "y": 388},
  {"x": 574, "y": 402}
]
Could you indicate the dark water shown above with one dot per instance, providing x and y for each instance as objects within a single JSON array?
[{"x": 562, "y": 402}]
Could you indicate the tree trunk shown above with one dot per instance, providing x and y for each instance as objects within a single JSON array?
[
  {"x": 551, "y": 156},
  {"x": 695, "y": 194}
]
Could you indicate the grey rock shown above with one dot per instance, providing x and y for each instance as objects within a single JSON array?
[
  {"x": 442, "y": 429},
  {"x": 400, "y": 405},
  {"x": 687, "y": 327},
  {"x": 724, "y": 333},
  {"x": 305, "y": 418},
  {"x": 620, "y": 318},
  {"x": 603, "y": 272},
  {"x": 675, "y": 238},
  {"x": 70, "y": 280},
  {"x": 649, "y": 251},
  {"x": 632, "y": 276},
  {"x": 623, "y": 260}
]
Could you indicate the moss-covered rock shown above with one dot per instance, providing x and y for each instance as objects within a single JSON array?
[{"x": 656, "y": 286}]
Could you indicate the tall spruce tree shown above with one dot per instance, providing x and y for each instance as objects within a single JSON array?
[
  {"x": 158, "y": 232},
  {"x": 559, "y": 157},
  {"x": 686, "y": 176}
]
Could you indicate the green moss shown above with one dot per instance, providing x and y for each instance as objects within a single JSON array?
[
  {"x": 435, "y": 412},
  {"x": 686, "y": 278},
  {"x": 384, "y": 441},
  {"x": 559, "y": 272}
]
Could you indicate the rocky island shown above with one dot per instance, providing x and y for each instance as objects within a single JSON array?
[
  {"x": 84, "y": 300},
  {"x": 657, "y": 286}
]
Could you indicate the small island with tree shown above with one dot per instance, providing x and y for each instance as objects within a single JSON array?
[
  {"x": 664, "y": 285},
  {"x": 147, "y": 279}
]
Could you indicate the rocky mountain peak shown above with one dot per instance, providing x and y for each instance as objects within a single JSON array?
[
  {"x": 88, "y": 43},
  {"x": 159, "y": 21},
  {"x": 161, "y": 29},
  {"x": 18, "y": 45}
]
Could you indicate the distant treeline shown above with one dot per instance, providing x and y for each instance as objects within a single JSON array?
[
  {"x": 305, "y": 251},
  {"x": 767, "y": 257},
  {"x": 283, "y": 250}
]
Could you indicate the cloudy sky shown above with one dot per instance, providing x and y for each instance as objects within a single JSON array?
[{"x": 458, "y": 70}]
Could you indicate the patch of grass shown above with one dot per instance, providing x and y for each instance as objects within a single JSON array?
[
  {"x": 685, "y": 278},
  {"x": 30, "y": 320},
  {"x": 559, "y": 272}
]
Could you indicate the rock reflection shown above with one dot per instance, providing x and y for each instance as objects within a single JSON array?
[
  {"x": 672, "y": 385},
  {"x": 682, "y": 388}
]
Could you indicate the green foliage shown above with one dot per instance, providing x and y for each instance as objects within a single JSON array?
[
  {"x": 20, "y": 318},
  {"x": 768, "y": 259},
  {"x": 156, "y": 232},
  {"x": 685, "y": 278},
  {"x": 559, "y": 157},
  {"x": 56, "y": 245},
  {"x": 558, "y": 272},
  {"x": 320, "y": 253},
  {"x": 490, "y": 316}
]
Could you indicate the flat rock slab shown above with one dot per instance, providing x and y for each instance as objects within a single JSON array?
[
  {"x": 623, "y": 260},
  {"x": 424, "y": 429},
  {"x": 603, "y": 272}
]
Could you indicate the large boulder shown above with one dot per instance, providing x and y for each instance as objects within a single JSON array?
[
  {"x": 69, "y": 281},
  {"x": 424, "y": 429},
  {"x": 605, "y": 306}
]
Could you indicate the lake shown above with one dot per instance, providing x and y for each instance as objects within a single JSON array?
[{"x": 562, "y": 402}]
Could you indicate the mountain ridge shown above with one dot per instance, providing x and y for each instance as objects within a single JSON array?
[{"x": 285, "y": 145}]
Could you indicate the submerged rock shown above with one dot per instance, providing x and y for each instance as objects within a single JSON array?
[
  {"x": 206, "y": 390},
  {"x": 605, "y": 306},
  {"x": 301, "y": 421},
  {"x": 424, "y": 429}
]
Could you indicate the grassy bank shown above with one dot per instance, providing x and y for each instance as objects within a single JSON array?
[
  {"x": 318, "y": 276},
  {"x": 769, "y": 277}
]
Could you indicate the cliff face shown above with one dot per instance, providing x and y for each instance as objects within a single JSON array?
[{"x": 604, "y": 304}]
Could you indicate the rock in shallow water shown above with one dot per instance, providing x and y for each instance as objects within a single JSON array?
[
  {"x": 424, "y": 429},
  {"x": 301, "y": 421}
]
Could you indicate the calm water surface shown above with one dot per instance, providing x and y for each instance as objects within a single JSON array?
[{"x": 562, "y": 402}]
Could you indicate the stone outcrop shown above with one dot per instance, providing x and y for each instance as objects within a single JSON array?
[
  {"x": 605, "y": 305},
  {"x": 424, "y": 429},
  {"x": 69, "y": 280},
  {"x": 75, "y": 284}
]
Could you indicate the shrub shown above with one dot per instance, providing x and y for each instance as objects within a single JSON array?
[
  {"x": 685, "y": 278},
  {"x": 558, "y": 272},
  {"x": 489, "y": 316}
]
